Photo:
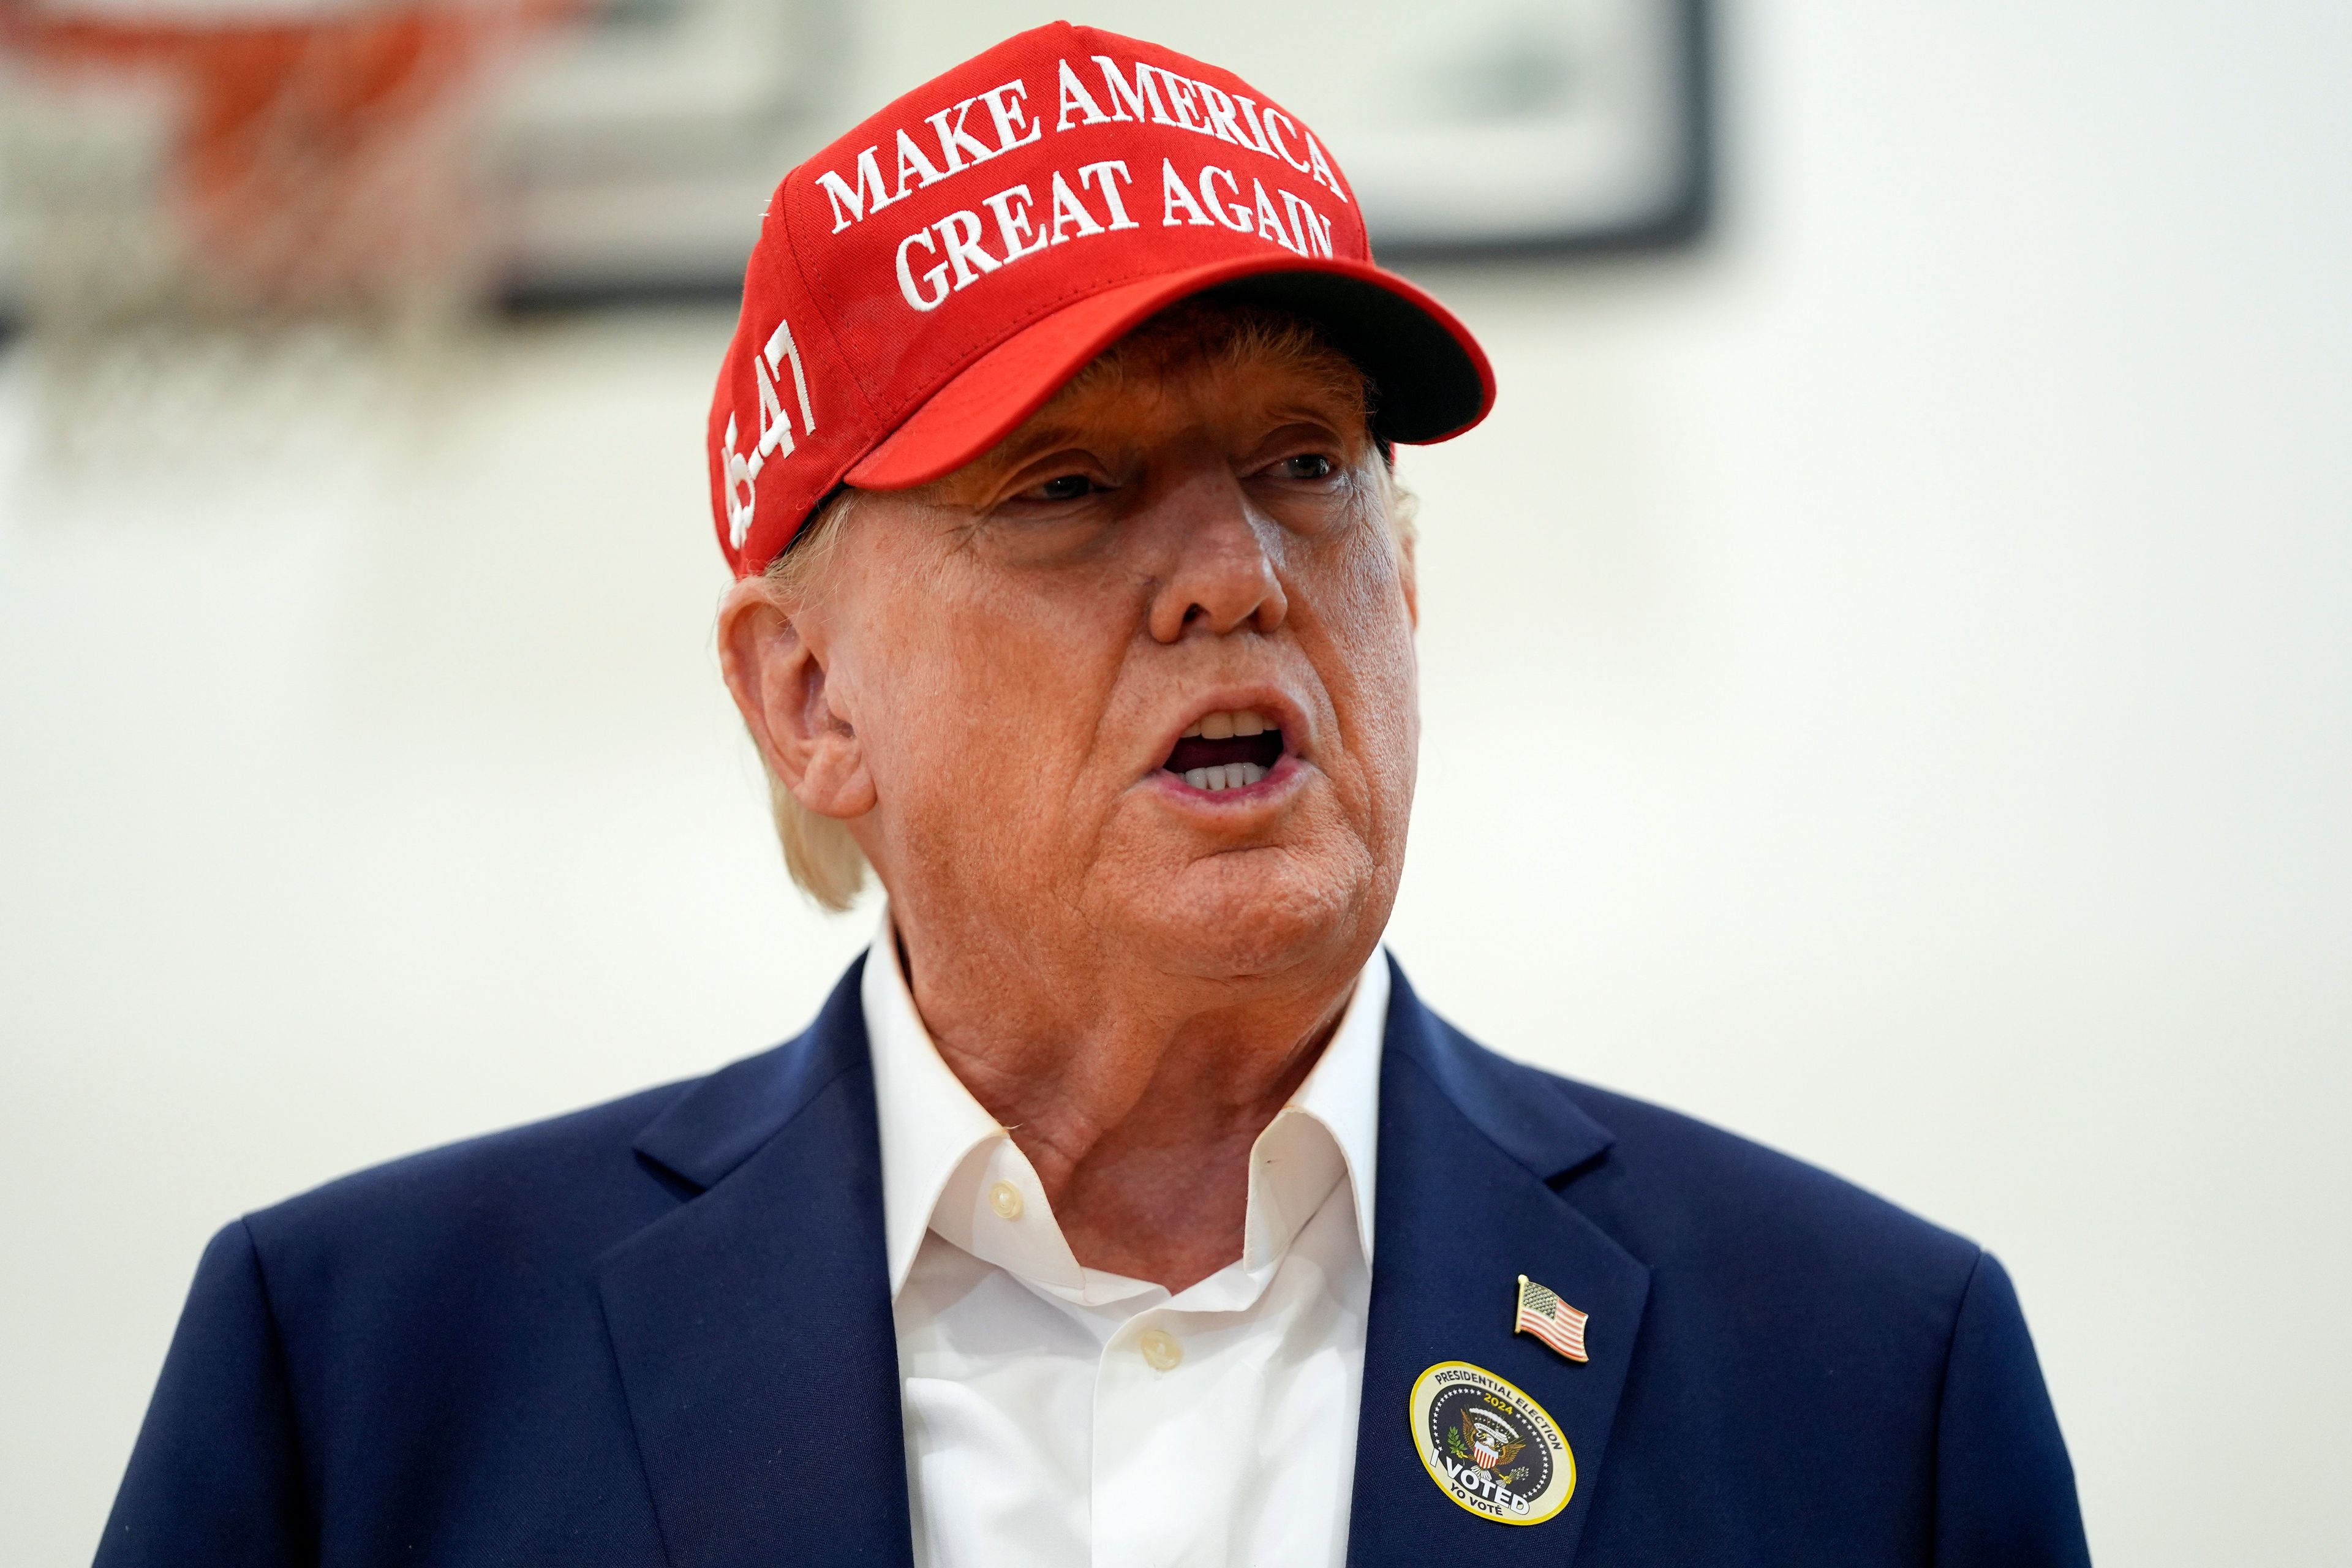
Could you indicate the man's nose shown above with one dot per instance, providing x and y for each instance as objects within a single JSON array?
[{"x": 1222, "y": 577}]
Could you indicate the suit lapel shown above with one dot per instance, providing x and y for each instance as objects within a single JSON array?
[
  {"x": 1469, "y": 1146},
  {"x": 753, "y": 1331},
  {"x": 752, "y": 1325}
]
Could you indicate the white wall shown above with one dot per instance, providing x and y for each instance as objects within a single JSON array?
[{"x": 1889, "y": 685}]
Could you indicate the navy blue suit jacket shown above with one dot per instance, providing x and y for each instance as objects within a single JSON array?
[{"x": 660, "y": 1333}]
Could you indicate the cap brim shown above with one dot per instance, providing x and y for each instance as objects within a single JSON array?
[{"x": 1431, "y": 379}]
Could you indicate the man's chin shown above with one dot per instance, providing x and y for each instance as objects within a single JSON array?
[{"x": 1243, "y": 914}]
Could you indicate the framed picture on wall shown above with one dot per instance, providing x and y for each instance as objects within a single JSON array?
[{"x": 636, "y": 153}]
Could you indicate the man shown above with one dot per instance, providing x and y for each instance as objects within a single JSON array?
[{"x": 1124, "y": 1205}]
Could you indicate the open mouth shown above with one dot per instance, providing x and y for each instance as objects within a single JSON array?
[{"x": 1231, "y": 750}]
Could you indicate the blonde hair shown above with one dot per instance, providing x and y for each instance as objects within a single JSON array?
[{"x": 820, "y": 852}]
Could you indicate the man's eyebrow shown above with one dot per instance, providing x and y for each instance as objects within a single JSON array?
[
  {"x": 1047, "y": 430},
  {"x": 1025, "y": 446},
  {"x": 1031, "y": 439},
  {"x": 1333, "y": 413},
  {"x": 1038, "y": 439}
]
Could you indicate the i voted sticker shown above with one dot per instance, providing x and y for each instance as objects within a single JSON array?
[{"x": 1488, "y": 1446}]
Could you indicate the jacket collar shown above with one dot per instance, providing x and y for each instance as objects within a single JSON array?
[
  {"x": 1476, "y": 1153},
  {"x": 725, "y": 1119},
  {"x": 752, "y": 1323},
  {"x": 753, "y": 1329}
]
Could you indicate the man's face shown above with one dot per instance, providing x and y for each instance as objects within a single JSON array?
[{"x": 1180, "y": 540}]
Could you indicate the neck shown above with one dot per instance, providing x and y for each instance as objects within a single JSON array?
[{"x": 1137, "y": 1093}]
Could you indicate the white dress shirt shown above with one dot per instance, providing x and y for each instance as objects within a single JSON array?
[{"x": 1060, "y": 1415}]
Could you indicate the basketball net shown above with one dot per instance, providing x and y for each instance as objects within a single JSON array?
[{"x": 230, "y": 175}]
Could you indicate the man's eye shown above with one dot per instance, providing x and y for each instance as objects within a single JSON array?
[
  {"x": 1061, "y": 487},
  {"x": 1306, "y": 466}
]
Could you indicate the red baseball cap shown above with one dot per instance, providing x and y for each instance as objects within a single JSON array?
[{"x": 927, "y": 282}]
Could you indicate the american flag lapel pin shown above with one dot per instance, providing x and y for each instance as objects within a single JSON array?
[{"x": 1543, "y": 1314}]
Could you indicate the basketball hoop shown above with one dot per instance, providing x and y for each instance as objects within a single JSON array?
[
  {"x": 315, "y": 158},
  {"x": 249, "y": 225}
]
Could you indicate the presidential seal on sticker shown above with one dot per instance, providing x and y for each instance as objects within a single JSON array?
[{"x": 1488, "y": 1446}]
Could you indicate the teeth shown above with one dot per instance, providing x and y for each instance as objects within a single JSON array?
[
  {"x": 1244, "y": 723},
  {"x": 1226, "y": 725},
  {"x": 1225, "y": 777}
]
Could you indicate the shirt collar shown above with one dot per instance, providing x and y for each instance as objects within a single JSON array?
[{"x": 943, "y": 1154}]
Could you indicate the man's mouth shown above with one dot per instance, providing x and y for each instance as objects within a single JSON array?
[{"x": 1231, "y": 750}]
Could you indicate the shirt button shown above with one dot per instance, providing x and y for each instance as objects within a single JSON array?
[
  {"x": 1159, "y": 1348},
  {"x": 1005, "y": 1199}
]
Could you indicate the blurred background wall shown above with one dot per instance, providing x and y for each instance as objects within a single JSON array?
[{"x": 1888, "y": 684}]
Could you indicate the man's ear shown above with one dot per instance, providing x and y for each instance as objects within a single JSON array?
[
  {"x": 1400, "y": 504},
  {"x": 775, "y": 662}
]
